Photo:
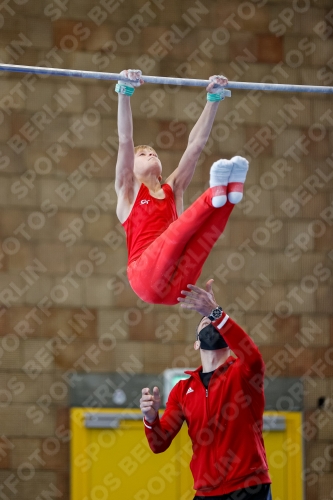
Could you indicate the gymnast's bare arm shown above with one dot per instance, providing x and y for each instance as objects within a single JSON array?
[
  {"x": 181, "y": 177},
  {"x": 126, "y": 184}
]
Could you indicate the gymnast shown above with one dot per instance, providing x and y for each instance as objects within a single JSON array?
[{"x": 167, "y": 247}]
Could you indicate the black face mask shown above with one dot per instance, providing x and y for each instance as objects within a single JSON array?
[{"x": 210, "y": 339}]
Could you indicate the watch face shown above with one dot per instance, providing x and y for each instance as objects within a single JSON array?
[{"x": 216, "y": 313}]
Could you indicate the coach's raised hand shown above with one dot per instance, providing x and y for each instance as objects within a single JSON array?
[{"x": 150, "y": 403}]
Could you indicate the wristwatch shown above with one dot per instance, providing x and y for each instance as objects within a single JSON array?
[{"x": 216, "y": 313}]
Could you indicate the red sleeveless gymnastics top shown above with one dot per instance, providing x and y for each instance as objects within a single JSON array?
[{"x": 148, "y": 219}]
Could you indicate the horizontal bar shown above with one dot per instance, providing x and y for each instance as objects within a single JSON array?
[{"x": 190, "y": 82}]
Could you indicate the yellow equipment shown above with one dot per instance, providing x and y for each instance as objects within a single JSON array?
[{"x": 111, "y": 459}]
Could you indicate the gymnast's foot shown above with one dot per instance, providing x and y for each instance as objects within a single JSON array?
[
  {"x": 237, "y": 178},
  {"x": 219, "y": 177}
]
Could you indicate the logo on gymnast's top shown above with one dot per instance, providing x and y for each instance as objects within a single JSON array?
[
  {"x": 144, "y": 202},
  {"x": 190, "y": 390}
]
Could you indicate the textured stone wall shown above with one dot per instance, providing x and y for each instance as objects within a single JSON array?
[{"x": 66, "y": 306}]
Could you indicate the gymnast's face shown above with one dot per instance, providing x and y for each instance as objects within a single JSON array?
[{"x": 146, "y": 162}]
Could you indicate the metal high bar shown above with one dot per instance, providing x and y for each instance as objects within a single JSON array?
[{"x": 190, "y": 82}]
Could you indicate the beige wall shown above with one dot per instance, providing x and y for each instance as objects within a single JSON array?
[{"x": 63, "y": 252}]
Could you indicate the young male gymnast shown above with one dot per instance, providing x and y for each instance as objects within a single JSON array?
[{"x": 166, "y": 246}]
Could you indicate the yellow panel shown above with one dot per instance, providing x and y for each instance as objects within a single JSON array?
[
  {"x": 285, "y": 457},
  {"x": 273, "y": 445},
  {"x": 106, "y": 463},
  {"x": 79, "y": 442}
]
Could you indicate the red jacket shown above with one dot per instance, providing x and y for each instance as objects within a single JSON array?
[{"x": 224, "y": 422}]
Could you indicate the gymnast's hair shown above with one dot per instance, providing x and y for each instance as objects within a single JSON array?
[{"x": 144, "y": 148}]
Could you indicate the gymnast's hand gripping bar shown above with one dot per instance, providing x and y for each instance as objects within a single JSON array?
[{"x": 190, "y": 82}]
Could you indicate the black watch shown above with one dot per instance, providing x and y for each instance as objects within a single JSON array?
[{"x": 216, "y": 313}]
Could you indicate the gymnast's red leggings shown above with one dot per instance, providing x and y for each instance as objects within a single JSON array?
[{"x": 175, "y": 259}]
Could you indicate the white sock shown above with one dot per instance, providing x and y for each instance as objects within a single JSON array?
[
  {"x": 237, "y": 179},
  {"x": 219, "y": 177}
]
